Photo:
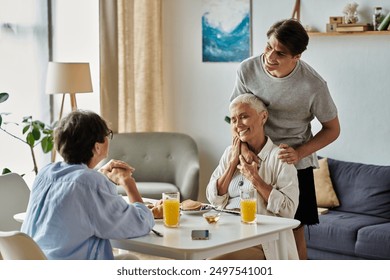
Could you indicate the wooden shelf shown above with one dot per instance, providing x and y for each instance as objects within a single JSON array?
[{"x": 364, "y": 33}]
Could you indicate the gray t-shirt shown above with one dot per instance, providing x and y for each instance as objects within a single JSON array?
[{"x": 292, "y": 102}]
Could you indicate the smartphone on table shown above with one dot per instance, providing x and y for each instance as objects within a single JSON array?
[{"x": 200, "y": 234}]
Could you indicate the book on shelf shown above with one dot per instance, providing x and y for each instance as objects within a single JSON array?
[
  {"x": 351, "y": 27},
  {"x": 385, "y": 23}
]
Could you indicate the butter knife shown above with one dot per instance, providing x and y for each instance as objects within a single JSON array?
[{"x": 157, "y": 233}]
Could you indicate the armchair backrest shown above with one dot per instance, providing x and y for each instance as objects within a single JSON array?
[{"x": 166, "y": 157}]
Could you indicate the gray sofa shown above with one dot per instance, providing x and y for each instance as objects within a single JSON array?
[
  {"x": 163, "y": 162},
  {"x": 360, "y": 227}
]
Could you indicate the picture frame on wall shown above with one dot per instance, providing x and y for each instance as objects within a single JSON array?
[{"x": 226, "y": 30}]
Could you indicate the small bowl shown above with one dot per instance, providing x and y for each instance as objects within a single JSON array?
[{"x": 212, "y": 217}]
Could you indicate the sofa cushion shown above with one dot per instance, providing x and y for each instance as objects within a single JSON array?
[
  {"x": 337, "y": 231},
  {"x": 361, "y": 188},
  {"x": 314, "y": 254},
  {"x": 373, "y": 242},
  {"x": 325, "y": 194}
]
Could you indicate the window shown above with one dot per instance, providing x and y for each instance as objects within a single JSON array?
[
  {"x": 23, "y": 56},
  {"x": 24, "y": 53}
]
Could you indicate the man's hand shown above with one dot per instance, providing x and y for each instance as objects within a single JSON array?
[{"x": 288, "y": 154}]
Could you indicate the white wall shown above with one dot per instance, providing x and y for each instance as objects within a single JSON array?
[
  {"x": 355, "y": 67},
  {"x": 76, "y": 39}
]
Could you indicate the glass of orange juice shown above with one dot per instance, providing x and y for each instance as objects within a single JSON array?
[
  {"x": 171, "y": 208},
  {"x": 248, "y": 205}
]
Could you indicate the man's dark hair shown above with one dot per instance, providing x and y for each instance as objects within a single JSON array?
[
  {"x": 76, "y": 135},
  {"x": 291, "y": 34}
]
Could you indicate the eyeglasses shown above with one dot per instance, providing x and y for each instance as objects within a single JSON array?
[{"x": 110, "y": 134}]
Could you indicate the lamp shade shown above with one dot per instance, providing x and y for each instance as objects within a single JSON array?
[{"x": 68, "y": 77}]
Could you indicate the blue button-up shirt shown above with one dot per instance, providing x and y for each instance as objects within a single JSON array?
[{"x": 74, "y": 210}]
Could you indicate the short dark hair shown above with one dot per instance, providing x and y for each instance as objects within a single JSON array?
[
  {"x": 291, "y": 34},
  {"x": 76, "y": 135}
]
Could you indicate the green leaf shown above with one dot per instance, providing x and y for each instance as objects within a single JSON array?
[
  {"x": 47, "y": 131},
  {"x": 38, "y": 124},
  {"x": 6, "y": 171},
  {"x": 1, "y": 120},
  {"x": 26, "y": 128},
  {"x": 36, "y": 133},
  {"x": 47, "y": 144},
  {"x": 3, "y": 96},
  {"x": 30, "y": 139},
  {"x": 27, "y": 119}
]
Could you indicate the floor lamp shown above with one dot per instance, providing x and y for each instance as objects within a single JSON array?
[{"x": 68, "y": 78}]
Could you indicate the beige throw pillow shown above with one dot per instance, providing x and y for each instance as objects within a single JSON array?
[{"x": 326, "y": 196}]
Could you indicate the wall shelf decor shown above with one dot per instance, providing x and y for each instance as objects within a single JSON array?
[{"x": 364, "y": 33}]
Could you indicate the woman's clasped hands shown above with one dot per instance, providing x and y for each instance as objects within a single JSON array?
[{"x": 117, "y": 171}]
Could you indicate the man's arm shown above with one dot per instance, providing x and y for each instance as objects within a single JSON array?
[{"x": 329, "y": 132}]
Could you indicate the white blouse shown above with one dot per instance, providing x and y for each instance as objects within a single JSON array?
[{"x": 283, "y": 199}]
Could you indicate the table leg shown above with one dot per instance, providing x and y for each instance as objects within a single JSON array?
[{"x": 282, "y": 246}]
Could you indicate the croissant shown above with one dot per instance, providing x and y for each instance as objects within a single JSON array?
[{"x": 158, "y": 212}]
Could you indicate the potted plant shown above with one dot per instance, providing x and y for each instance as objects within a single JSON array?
[{"x": 35, "y": 133}]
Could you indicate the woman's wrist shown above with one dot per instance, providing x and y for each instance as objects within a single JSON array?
[{"x": 127, "y": 182}]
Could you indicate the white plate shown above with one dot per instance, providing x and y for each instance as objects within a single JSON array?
[{"x": 204, "y": 209}]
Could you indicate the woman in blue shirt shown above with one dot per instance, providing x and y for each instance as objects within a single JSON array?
[{"x": 74, "y": 209}]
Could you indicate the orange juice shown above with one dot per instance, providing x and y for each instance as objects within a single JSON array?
[
  {"x": 248, "y": 210},
  {"x": 171, "y": 210}
]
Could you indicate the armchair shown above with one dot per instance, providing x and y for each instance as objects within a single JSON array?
[{"x": 163, "y": 161}]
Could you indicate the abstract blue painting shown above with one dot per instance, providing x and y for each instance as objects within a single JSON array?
[{"x": 226, "y": 30}]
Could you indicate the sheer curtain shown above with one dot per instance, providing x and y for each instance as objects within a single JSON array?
[
  {"x": 131, "y": 64},
  {"x": 23, "y": 55}
]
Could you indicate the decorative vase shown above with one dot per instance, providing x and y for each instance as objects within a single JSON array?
[{"x": 351, "y": 18}]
